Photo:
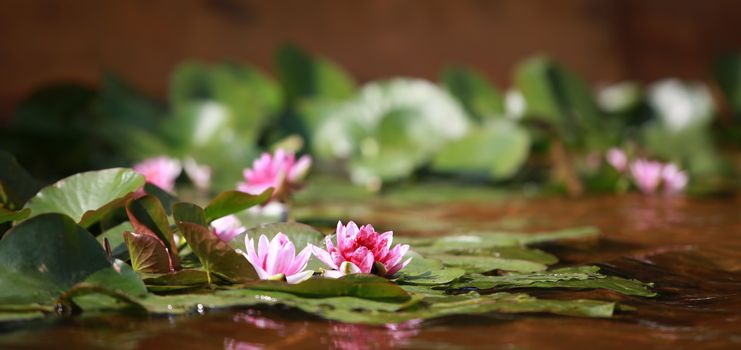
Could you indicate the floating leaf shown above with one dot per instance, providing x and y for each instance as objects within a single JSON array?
[
  {"x": 583, "y": 277},
  {"x": 87, "y": 197},
  {"x": 473, "y": 264},
  {"x": 231, "y": 202},
  {"x": 423, "y": 271},
  {"x": 355, "y": 285},
  {"x": 44, "y": 256}
]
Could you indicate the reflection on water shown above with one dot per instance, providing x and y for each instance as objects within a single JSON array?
[{"x": 691, "y": 249}]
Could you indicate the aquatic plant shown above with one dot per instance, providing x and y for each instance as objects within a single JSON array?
[
  {"x": 276, "y": 259},
  {"x": 280, "y": 171},
  {"x": 160, "y": 171},
  {"x": 362, "y": 250}
]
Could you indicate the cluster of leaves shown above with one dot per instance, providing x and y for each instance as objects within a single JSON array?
[
  {"x": 85, "y": 244},
  {"x": 385, "y": 131}
]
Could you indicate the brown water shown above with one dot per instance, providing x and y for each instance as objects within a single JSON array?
[{"x": 691, "y": 249}]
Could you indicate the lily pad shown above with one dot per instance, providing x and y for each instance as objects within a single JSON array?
[
  {"x": 583, "y": 277},
  {"x": 17, "y": 186},
  {"x": 44, "y": 256},
  {"x": 148, "y": 253},
  {"x": 423, "y": 271},
  {"x": 473, "y": 264},
  {"x": 356, "y": 285},
  {"x": 87, "y": 197}
]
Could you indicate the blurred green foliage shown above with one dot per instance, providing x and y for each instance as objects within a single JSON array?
[{"x": 383, "y": 132}]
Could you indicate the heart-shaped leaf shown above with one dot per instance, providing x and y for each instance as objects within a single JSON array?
[
  {"x": 230, "y": 202},
  {"x": 148, "y": 253},
  {"x": 148, "y": 217},
  {"x": 189, "y": 212},
  {"x": 44, "y": 256},
  {"x": 87, "y": 197},
  {"x": 215, "y": 255}
]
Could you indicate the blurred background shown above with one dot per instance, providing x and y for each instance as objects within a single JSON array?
[{"x": 542, "y": 87}]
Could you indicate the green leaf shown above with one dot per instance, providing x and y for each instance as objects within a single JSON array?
[
  {"x": 183, "y": 279},
  {"x": 115, "y": 238},
  {"x": 356, "y": 285},
  {"x": 44, "y": 256},
  {"x": 189, "y": 212},
  {"x": 119, "y": 277},
  {"x": 231, "y": 202},
  {"x": 148, "y": 253},
  {"x": 582, "y": 277},
  {"x": 302, "y": 75},
  {"x": 505, "y": 252},
  {"x": 17, "y": 186},
  {"x": 558, "y": 96},
  {"x": 727, "y": 73},
  {"x": 480, "y": 99},
  {"x": 88, "y": 196},
  {"x": 499, "y": 149},
  {"x": 473, "y": 264},
  {"x": 492, "y": 239},
  {"x": 10, "y": 215},
  {"x": 147, "y": 216},
  {"x": 421, "y": 271},
  {"x": 215, "y": 255}
]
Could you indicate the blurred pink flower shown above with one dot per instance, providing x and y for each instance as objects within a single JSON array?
[
  {"x": 646, "y": 175},
  {"x": 160, "y": 171},
  {"x": 276, "y": 259},
  {"x": 674, "y": 179},
  {"x": 280, "y": 171},
  {"x": 362, "y": 250},
  {"x": 227, "y": 227},
  {"x": 617, "y": 158},
  {"x": 199, "y": 174}
]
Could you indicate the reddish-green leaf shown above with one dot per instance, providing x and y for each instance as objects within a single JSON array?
[{"x": 148, "y": 253}]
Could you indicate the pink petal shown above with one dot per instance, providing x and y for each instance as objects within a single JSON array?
[
  {"x": 299, "y": 169},
  {"x": 396, "y": 268},
  {"x": 263, "y": 246},
  {"x": 300, "y": 261},
  {"x": 275, "y": 257},
  {"x": 299, "y": 277},
  {"x": 323, "y": 256}
]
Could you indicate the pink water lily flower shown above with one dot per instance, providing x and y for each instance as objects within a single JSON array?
[
  {"x": 617, "y": 159},
  {"x": 646, "y": 175},
  {"x": 674, "y": 179},
  {"x": 160, "y": 171},
  {"x": 362, "y": 250},
  {"x": 276, "y": 259},
  {"x": 280, "y": 171},
  {"x": 227, "y": 227}
]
